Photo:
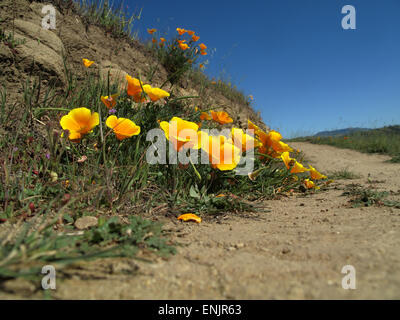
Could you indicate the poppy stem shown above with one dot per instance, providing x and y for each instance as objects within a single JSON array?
[
  {"x": 103, "y": 145},
  {"x": 195, "y": 170}
]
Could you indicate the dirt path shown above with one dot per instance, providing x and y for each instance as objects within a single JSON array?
[{"x": 294, "y": 250}]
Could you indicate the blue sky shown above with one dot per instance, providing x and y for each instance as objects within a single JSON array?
[{"x": 306, "y": 73}]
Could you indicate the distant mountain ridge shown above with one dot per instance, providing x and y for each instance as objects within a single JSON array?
[{"x": 339, "y": 132}]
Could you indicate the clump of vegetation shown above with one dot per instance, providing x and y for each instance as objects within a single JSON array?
[
  {"x": 25, "y": 255},
  {"x": 343, "y": 174},
  {"x": 179, "y": 54},
  {"x": 8, "y": 39},
  {"x": 367, "y": 197}
]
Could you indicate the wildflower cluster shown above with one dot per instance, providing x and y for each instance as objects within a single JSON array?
[
  {"x": 179, "y": 54},
  {"x": 225, "y": 150}
]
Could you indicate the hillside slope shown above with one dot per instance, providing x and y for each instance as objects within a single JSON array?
[{"x": 41, "y": 52}]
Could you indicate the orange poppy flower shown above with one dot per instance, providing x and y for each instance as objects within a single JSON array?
[
  {"x": 270, "y": 141},
  {"x": 195, "y": 38},
  {"x": 135, "y": 89},
  {"x": 79, "y": 122},
  {"x": 205, "y": 116},
  {"x": 189, "y": 217},
  {"x": 190, "y": 32},
  {"x": 123, "y": 128},
  {"x": 202, "y": 46},
  {"x": 309, "y": 184},
  {"x": 154, "y": 40},
  {"x": 315, "y": 175},
  {"x": 181, "y": 31},
  {"x": 184, "y": 46},
  {"x": 221, "y": 117},
  {"x": 181, "y": 133},
  {"x": 162, "y": 39},
  {"x": 87, "y": 62},
  {"x": 203, "y": 53},
  {"x": 109, "y": 102},
  {"x": 151, "y": 31},
  {"x": 201, "y": 66}
]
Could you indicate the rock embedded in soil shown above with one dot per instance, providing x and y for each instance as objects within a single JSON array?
[{"x": 86, "y": 222}]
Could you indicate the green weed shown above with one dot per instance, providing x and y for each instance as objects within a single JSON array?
[
  {"x": 343, "y": 174},
  {"x": 361, "y": 196}
]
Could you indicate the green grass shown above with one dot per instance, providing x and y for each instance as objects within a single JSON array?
[
  {"x": 112, "y": 18},
  {"x": 343, "y": 174},
  {"x": 383, "y": 141},
  {"x": 25, "y": 255},
  {"x": 360, "y": 196},
  {"x": 7, "y": 38}
]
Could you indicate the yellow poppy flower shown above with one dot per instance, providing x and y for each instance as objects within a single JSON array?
[
  {"x": 202, "y": 46},
  {"x": 181, "y": 31},
  {"x": 184, "y": 46},
  {"x": 123, "y": 128},
  {"x": 189, "y": 217},
  {"x": 309, "y": 184},
  {"x": 155, "y": 94},
  {"x": 195, "y": 38},
  {"x": 221, "y": 117},
  {"x": 244, "y": 141},
  {"x": 181, "y": 133},
  {"x": 151, "y": 31},
  {"x": 223, "y": 155},
  {"x": 87, "y": 62},
  {"x": 315, "y": 175},
  {"x": 111, "y": 101},
  {"x": 78, "y": 122},
  {"x": 290, "y": 162}
]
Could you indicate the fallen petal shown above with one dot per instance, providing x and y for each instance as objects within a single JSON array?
[{"x": 189, "y": 217}]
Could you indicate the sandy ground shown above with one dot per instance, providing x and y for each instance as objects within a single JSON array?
[{"x": 296, "y": 249}]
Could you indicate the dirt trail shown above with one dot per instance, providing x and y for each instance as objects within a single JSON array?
[{"x": 294, "y": 250}]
